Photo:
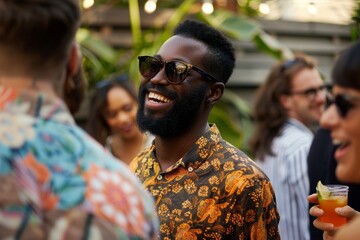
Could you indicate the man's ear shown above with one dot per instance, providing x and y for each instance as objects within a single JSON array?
[
  {"x": 74, "y": 59},
  {"x": 215, "y": 92},
  {"x": 285, "y": 101}
]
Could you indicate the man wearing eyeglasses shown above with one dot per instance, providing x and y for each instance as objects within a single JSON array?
[
  {"x": 204, "y": 188},
  {"x": 288, "y": 104}
]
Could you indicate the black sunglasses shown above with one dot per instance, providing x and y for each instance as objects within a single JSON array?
[
  {"x": 176, "y": 71},
  {"x": 343, "y": 102}
]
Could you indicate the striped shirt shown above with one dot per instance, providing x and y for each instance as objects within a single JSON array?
[{"x": 287, "y": 171}]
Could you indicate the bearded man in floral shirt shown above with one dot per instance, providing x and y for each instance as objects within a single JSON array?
[{"x": 204, "y": 188}]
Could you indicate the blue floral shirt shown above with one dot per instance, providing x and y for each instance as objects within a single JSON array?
[{"x": 57, "y": 182}]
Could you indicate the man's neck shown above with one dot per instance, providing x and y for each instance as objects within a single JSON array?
[
  {"x": 169, "y": 151},
  {"x": 25, "y": 84}
]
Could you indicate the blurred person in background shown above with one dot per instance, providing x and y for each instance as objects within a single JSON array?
[
  {"x": 342, "y": 118},
  {"x": 287, "y": 105},
  {"x": 112, "y": 118},
  {"x": 55, "y": 180}
]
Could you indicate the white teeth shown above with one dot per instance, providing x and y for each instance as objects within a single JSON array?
[
  {"x": 158, "y": 97},
  {"x": 340, "y": 143}
]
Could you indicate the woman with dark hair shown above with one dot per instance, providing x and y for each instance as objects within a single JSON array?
[
  {"x": 342, "y": 118},
  {"x": 112, "y": 118}
]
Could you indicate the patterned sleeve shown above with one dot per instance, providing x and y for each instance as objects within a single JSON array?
[{"x": 255, "y": 212}]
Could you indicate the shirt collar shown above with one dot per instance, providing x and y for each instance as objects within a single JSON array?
[
  {"x": 34, "y": 103},
  {"x": 298, "y": 124},
  {"x": 201, "y": 150}
]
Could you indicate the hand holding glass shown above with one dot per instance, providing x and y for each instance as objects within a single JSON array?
[{"x": 331, "y": 197}]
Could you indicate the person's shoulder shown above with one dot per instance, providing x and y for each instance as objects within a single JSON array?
[
  {"x": 142, "y": 160},
  {"x": 242, "y": 162},
  {"x": 293, "y": 138}
]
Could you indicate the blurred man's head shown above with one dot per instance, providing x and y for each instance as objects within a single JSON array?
[{"x": 36, "y": 36}]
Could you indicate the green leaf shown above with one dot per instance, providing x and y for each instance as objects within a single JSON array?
[
  {"x": 223, "y": 121},
  {"x": 135, "y": 21},
  {"x": 237, "y": 27},
  {"x": 272, "y": 46},
  {"x": 97, "y": 46}
]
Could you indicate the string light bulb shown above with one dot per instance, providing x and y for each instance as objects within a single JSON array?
[
  {"x": 312, "y": 9},
  {"x": 264, "y": 8},
  {"x": 207, "y": 7},
  {"x": 88, "y": 4},
  {"x": 150, "y": 6}
]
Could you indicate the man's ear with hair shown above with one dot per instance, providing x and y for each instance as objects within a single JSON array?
[
  {"x": 216, "y": 91},
  {"x": 73, "y": 68},
  {"x": 74, "y": 61}
]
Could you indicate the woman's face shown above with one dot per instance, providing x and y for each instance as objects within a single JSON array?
[
  {"x": 345, "y": 132},
  {"x": 120, "y": 113}
]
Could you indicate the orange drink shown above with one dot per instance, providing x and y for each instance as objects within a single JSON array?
[{"x": 331, "y": 197}]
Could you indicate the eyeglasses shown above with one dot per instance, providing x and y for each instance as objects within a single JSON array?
[
  {"x": 176, "y": 71},
  {"x": 310, "y": 93},
  {"x": 343, "y": 102}
]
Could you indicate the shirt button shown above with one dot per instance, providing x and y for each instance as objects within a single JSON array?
[
  {"x": 159, "y": 177},
  {"x": 190, "y": 169}
]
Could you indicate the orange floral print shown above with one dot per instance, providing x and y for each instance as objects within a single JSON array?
[
  {"x": 42, "y": 176},
  {"x": 40, "y": 171},
  {"x": 224, "y": 196},
  {"x": 6, "y": 95},
  {"x": 112, "y": 204},
  {"x": 209, "y": 208},
  {"x": 185, "y": 233}
]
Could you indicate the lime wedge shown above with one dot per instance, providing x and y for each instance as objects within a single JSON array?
[{"x": 322, "y": 191}]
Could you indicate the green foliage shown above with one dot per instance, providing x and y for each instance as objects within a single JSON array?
[
  {"x": 355, "y": 28},
  {"x": 249, "y": 7},
  {"x": 232, "y": 116},
  {"x": 100, "y": 59},
  {"x": 242, "y": 28}
]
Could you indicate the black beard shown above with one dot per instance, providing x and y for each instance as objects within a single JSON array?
[{"x": 179, "y": 119}]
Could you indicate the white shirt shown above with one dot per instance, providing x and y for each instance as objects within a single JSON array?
[{"x": 287, "y": 171}]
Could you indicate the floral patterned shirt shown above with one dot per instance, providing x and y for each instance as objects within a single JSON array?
[
  {"x": 214, "y": 192},
  {"x": 58, "y": 183}
]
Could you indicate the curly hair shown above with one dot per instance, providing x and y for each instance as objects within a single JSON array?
[
  {"x": 269, "y": 115},
  {"x": 220, "y": 59}
]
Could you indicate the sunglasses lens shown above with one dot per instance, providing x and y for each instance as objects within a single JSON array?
[
  {"x": 149, "y": 66},
  {"x": 343, "y": 105},
  {"x": 176, "y": 72}
]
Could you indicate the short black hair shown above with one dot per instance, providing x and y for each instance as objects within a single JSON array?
[
  {"x": 346, "y": 71},
  {"x": 220, "y": 60}
]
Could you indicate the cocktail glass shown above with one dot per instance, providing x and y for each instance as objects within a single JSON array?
[{"x": 331, "y": 197}]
